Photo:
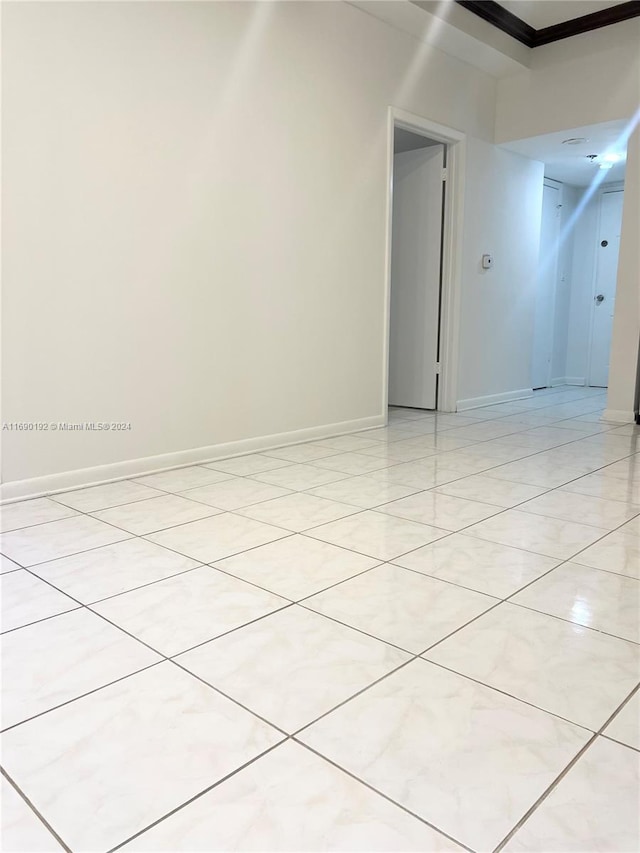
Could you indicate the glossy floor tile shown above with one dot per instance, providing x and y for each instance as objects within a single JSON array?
[
  {"x": 291, "y": 800},
  {"x": 479, "y": 487},
  {"x": 402, "y": 639},
  {"x": 405, "y": 608},
  {"x": 593, "y": 808},
  {"x": 444, "y": 747},
  {"x": 298, "y": 512},
  {"x": 217, "y": 537},
  {"x": 58, "y": 659},
  {"x": 625, "y": 726},
  {"x": 438, "y": 510},
  {"x": 42, "y": 542},
  {"x": 487, "y": 567},
  {"x": 28, "y": 513},
  {"x": 297, "y": 566},
  {"x": 363, "y": 492},
  {"x": 130, "y": 753},
  {"x": 550, "y": 537},
  {"x": 618, "y": 552},
  {"x": 103, "y": 572},
  {"x": 584, "y": 509},
  {"x": 175, "y": 614},
  {"x": 103, "y": 497},
  {"x": 22, "y": 829},
  {"x": 25, "y": 599},
  {"x": 377, "y": 534},
  {"x": 183, "y": 478},
  {"x": 155, "y": 514},
  {"x": 292, "y": 666},
  {"x": 576, "y": 673},
  {"x": 600, "y": 600},
  {"x": 235, "y": 493}
]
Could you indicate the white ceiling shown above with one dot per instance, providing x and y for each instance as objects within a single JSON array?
[
  {"x": 569, "y": 163},
  {"x": 546, "y": 13}
]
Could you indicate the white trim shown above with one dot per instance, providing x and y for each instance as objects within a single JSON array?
[
  {"x": 451, "y": 255},
  {"x": 618, "y": 416},
  {"x": 492, "y": 399},
  {"x": 83, "y": 477},
  {"x": 575, "y": 380},
  {"x": 561, "y": 380}
]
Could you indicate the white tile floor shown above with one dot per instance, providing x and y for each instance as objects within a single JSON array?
[{"x": 422, "y": 637}]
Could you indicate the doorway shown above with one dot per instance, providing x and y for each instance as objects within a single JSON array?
[
  {"x": 416, "y": 267},
  {"x": 424, "y": 238},
  {"x": 576, "y": 284}
]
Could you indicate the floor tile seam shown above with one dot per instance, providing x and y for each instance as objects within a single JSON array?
[
  {"x": 305, "y": 597},
  {"x": 607, "y": 571},
  {"x": 356, "y": 511},
  {"x": 197, "y": 796},
  {"x": 598, "y": 497},
  {"x": 628, "y": 698},
  {"x": 79, "y": 696},
  {"x": 285, "y": 605},
  {"x": 18, "y": 790},
  {"x": 360, "y": 630},
  {"x": 579, "y": 624},
  {"x": 508, "y": 600},
  {"x": 506, "y": 693},
  {"x": 53, "y": 496},
  {"x": 566, "y": 770},
  {"x": 163, "y": 657},
  {"x": 71, "y": 515},
  {"x": 612, "y": 739},
  {"x": 382, "y": 794},
  {"x": 532, "y": 809},
  {"x": 459, "y": 585}
]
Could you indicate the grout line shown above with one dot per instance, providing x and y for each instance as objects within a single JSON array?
[
  {"x": 198, "y": 795},
  {"x": 35, "y": 811},
  {"x": 566, "y": 770},
  {"x": 544, "y": 795},
  {"x": 382, "y": 794}
]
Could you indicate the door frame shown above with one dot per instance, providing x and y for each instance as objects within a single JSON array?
[
  {"x": 452, "y": 234},
  {"x": 550, "y": 183},
  {"x": 603, "y": 189}
]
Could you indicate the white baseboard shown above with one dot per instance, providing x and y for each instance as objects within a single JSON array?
[
  {"x": 492, "y": 399},
  {"x": 575, "y": 380},
  {"x": 618, "y": 416},
  {"x": 81, "y": 478},
  {"x": 561, "y": 380}
]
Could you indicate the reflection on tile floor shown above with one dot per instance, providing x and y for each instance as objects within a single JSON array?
[{"x": 418, "y": 637}]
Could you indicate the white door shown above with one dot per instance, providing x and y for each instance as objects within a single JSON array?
[
  {"x": 415, "y": 276},
  {"x": 604, "y": 294},
  {"x": 546, "y": 289}
]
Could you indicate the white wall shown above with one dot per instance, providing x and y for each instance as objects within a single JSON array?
[
  {"x": 503, "y": 208},
  {"x": 195, "y": 230}
]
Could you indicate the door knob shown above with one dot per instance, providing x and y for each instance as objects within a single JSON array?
[{"x": 599, "y": 298}]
